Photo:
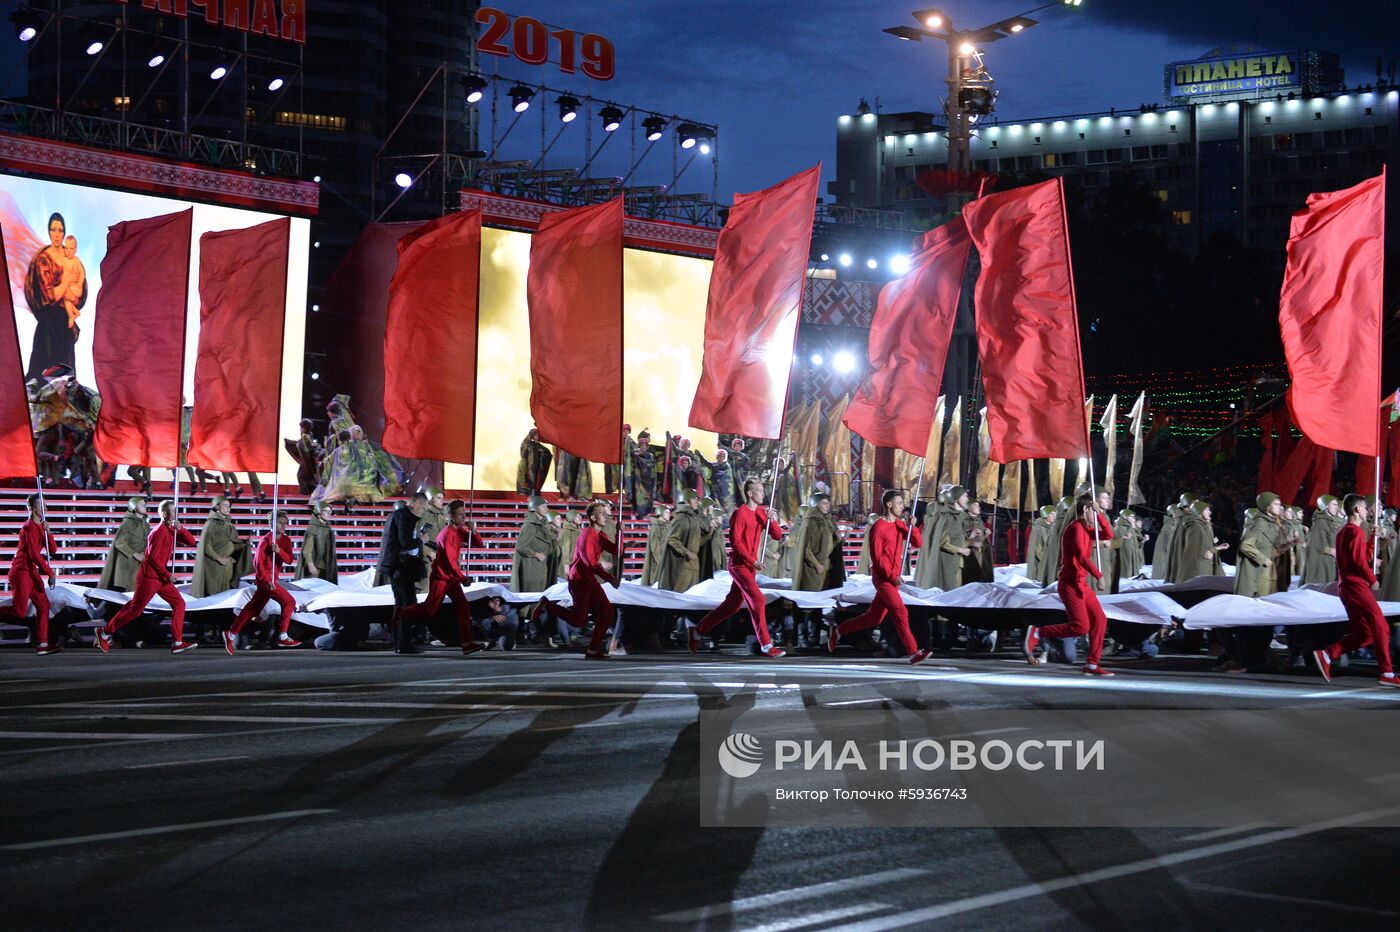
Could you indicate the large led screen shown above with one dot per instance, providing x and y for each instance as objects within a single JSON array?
[
  {"x": 26, "y": 206},
  {"x": 663, "y": 342}
]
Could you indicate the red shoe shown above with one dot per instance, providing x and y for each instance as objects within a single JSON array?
[
  {"x": 1031, "y": 642},
  {"x": 919, "y": 656},
  {"x": 179, "y": 647},
  {"x": 44, "y": 650},
  {"x": 287, "y": 641},
  {"x": 1093, "y": 669},
  {"x": 591, "y": 654},
  {"x": 1391, "y": 680},
  {"x": 833, "y": 637},
  {"x": 773, "y": 652},
  {"x": 1324, "y": 664},
  {"x": 472, "y": 647},
  {"x": 230, "y": 642},
  {"x": 103, "y": 640}
]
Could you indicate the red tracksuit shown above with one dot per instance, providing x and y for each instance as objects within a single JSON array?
[
  {"x": 1355, "y": 579},
  {"x": 446, "y": 579},
  {"x": 886, "y": 550},
  {"x": 746, "y": 530},
  {"x": 27, "y": 572},
  {"x": 265, "y": 565},
  {"x": 589, "y": 598},
  {"x": 1081, "y": 603},
  {"x": 152, "y": 579}
]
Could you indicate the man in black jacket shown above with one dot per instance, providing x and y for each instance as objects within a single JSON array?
[{"x": 401, "y": 560}]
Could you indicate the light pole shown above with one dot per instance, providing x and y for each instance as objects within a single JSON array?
[{"x": 968, "y": 94}]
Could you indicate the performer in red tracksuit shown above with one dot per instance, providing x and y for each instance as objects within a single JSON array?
[
  {"x": 584, "y": 572},
  {"x": 153, "y": 578},
  {"x": 887, "y": 537},
  {"x": 746, "y": 529},
  {"x": 274, "y": 551},
  {"x": 27, "y": 572},
  {"x": 1355, "y": 579},
  {"x": 446, "y": 578},
  {"x": 1081, "y": 604}
]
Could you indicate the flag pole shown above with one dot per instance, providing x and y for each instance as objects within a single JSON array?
[
  {"x": 1380, "y": 412},
  {"x": 918, "y": 489}
]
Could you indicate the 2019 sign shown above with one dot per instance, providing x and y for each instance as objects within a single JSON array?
[{"x": 530, "y": 41}]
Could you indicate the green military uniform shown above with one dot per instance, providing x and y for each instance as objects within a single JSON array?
[
  {"x": 124, "y": 556},
  {"x": 1038, "y": 542},
  {"x": 821, "y": 562},
  {"x": 1194, "y": 553},
  {"x": 942, "y": 566},
  {"x": 537, "y": 535},
  {"x": 572, "y": 475},
  {"x": 1262, "y": 565},
  {"x": 978, "y": 566},
  {"x": 1166, "y": 537},
  {"x": 774, "y": 555},
  {"x": 1298, "y": 533},
  {"x": 219, "y": 538},
  {"x": 318, "y": 547},
  {"x": 714, "y": 557},
  {"x": 1126, "y": 549},
  {"x": 790, "y": 555},
  {"x": 433, "y": 520},
  {"x": 1322, "y": 545},
  {"x": 863, "y": 561},
  {"x": 657, "y": 529},
  {"x": 563, "y": 553},
  {"x": 1390, "y": 573},
  {"x": 533, "y": 467},
  {"x": 689, "y": 534}
]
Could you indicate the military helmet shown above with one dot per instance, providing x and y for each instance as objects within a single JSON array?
[
  {"x": 955, "y": 492},
  {"x": 802, "y": 511},
  {"x": 432, "y": 492},
  {"x": 1264, "y": 499},
  {"x": 1251, "y": 513},
  {"x": 1186, "y": 500},
  {"x": 817, "y": 498},
  {"x": 132, "y": 502},
  {"x": 536, "y": 501},
  {"x": 1047, "y": 511},
  {"x": 1324, "y": 501},
  {"x": 1127, "y": 513},
  {"x": 690, "y": 497},
  {"x": 217, "y": 501},
  {"x": 1173, "y": 510},
  {"x": 1199, "y": 507},
  {"x": 709, "y": 502}
]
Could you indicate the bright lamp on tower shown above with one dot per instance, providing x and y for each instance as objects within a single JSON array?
[
  {"x": 473, "y": 86},
  {"x": 611, "y": 117},
  {"x": 568, "y": 108},
  {"x": 521, "y": 96},
  {"x": 653, "y": 125}
]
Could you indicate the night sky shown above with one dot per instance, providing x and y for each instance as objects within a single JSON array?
[{"x": 776, "y": 75}]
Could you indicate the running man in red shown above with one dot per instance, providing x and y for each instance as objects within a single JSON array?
[
  {"x": 447, "y": 578},
  {"x": 747, "y": 527},
  {"x": 584, "y": 572},
  {"x": 1081, "y": 604},
  {"x": 274, "y": 552},
  {"x": 887, "y": 537},
  {"x": 27, "y": 572},
  {"x": 1355, "y": 579},
  {"x": 153, "y": 579}
]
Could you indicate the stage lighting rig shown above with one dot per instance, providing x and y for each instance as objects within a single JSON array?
[
  {"x": 27, "y": 24},
  {"x": 568, "y": 108},
  {"x": 654, "y": 125},
  {"x": 521, "y": 96},
  {"x": 474, "y": 87},
  {"x": 611, "y": 117}
]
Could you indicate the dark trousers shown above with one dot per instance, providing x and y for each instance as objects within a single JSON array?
[{"x": 405, "y": 586}]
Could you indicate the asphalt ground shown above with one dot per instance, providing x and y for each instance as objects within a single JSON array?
[{"x": 536, "y": 790}]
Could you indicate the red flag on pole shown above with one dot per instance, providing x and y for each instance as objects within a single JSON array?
[
  {"x": 430, "y": 342},
  {"x": 1027, "y": 324},
  {"x": 238, "y": 371},
  {"x": 1330, "y": 316},
  {"x": 909, "y": 338},
  {"x": 574, "y": 289},
  {"x": 16, "y": 437},
  {"x": 754, "y": 306},
  {"x": 138, "y": 347}
]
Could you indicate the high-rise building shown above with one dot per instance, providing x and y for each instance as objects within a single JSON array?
[{"x": 1239, "y": 142}]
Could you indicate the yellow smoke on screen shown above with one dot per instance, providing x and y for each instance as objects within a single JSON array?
[{"x": 663, "y": 342}]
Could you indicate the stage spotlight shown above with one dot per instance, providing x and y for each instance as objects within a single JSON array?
[
  {"x": 817, "y": 359},
  {"x": 403, "y": 180},
  {"x": 899, "y": 265},
  {"x": 156, "y": 60},
  {"x": 653, "y": 125},
  {"x": 218, "y": 72},
  {"x": 568, "y": 108},
  {"x": 826, "y": 258},
  {"x": 315, "y": 308},
  {"x": 315, "y": 376},
  {"x": 521, "y": 96},
  {"x": 704, "y": 148},
  {"x": 276, "y": 84},
  {"x": 845, "y": 258},
  {"x": 27, "y": 24},
  {"x": 689, "y": 135},
  {"x": 872, "y": 263},
  {"x": 612, "y": 118},
  {"x": 844, "y": 362},
  {"x": 474, "y": 86},
  {"x": 95, "y": 46},
  {"x": 966, "y": 49},
  {"x": 316, "y": 179}
]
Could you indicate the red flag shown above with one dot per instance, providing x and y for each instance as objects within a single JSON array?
[
  {"x": 1330, "y": 316},
  {"x": 238, "y": 372},
  {"x": 909, "y": 339},
  {"x": 138, "y": 346},
  {"x": 1027, "y": 325},
  {"x": 16, "y": 437},
  {"x": 430, "y": 342},
  {"x": 754, "y": 306},
  {"x": 574, "y": 289}
]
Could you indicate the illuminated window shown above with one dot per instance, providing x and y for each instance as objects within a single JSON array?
[
  {"x": 121, "y": 103},
  {"x": 311, "y": 120},
  {"x": 1161, "y": 196},
  {"x": 1181, "y": 217}
]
